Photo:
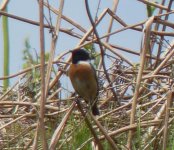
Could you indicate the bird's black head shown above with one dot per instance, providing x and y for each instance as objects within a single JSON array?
[{"x": 80, "y": 55}]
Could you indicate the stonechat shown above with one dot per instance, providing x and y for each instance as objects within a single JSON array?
[{"x": 83, "y": 78}]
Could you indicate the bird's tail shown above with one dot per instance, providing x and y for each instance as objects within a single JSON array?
[{"x": 95, "y": 110}]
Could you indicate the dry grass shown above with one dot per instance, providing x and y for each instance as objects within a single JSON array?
[{"x": 135, "y": 100}]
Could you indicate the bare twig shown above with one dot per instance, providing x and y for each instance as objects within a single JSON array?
[
  {"x": 154, "y": 4},
  {"x": 3, "y": 4},
  {"x": 53, "y": 47},
  {"x": 101, "y": 49}
]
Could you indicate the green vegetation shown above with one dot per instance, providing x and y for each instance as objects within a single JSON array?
[
  {"x": 151, "y": 9},
  {"x": 6, "y": 50},
  {"x": 94, "y": 54}
]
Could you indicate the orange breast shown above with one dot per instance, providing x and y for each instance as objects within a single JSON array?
[{"x": 84, "y": 81}]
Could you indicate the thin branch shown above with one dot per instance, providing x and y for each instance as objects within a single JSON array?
[
  {"x": 153, "y": 4},
  {"x": 23, "y": 19},
  {"x": 53, "y": 48},
  {"x": 114, "y": 9},
  {"x": 101, "y": 49},
  {"x": 3, "y": 4},
  {"x": 41, "y": 125}
]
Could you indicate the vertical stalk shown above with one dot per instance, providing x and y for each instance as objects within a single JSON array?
[
  {"x": 165, "y": 133},
  {"x": 53, "y": 47},
  {"x": 144, "y": 48},
  {"x": 114, "y": 9},
  {"x": 6, "y": 50},
  {"x": 162, "y": 38},
  {"x": 41, "y": 123}
]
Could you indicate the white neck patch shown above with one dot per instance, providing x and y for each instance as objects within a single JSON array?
[{"x": 84, "y": 62}]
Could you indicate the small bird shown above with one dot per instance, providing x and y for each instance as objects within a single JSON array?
[{"x": 83, "y": 78}]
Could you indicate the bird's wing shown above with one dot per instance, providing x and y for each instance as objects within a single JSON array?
[{"x": 95, "y": 74}]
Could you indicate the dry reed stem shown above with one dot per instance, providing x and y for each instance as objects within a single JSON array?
[
  {"x": 40, "y": 132},
  {"x": 3, "y": 4},
  {"x": 157, "y": 25},
  {"x": 114, "y": 9},
  {"x": 145, "y": 44},
  {"x": 163, "y": 29},
  {"x": 168, "y": 104},
  {"x": 31, "y": 68},
  {"x": 53, "y": 47},
  {"x": 154, "y": 4},
  {"x": 22, "y": 19},
  {"x": 134, "y": 127}
]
